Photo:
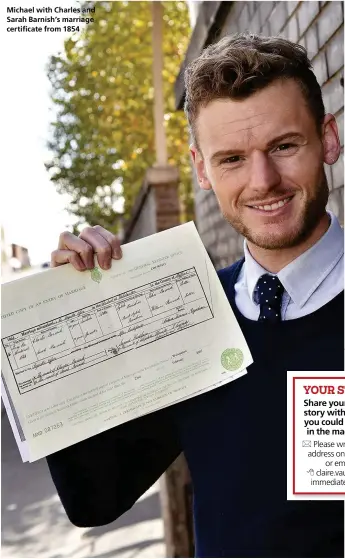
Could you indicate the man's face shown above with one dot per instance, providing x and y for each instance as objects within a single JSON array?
[{"x": 263, "y": 158}]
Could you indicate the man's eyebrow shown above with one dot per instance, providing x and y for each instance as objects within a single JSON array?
[
  {"x": 225, "y": 153},
  {"x": 286, "y": 136},
  {"x": 228, "y": 152}
]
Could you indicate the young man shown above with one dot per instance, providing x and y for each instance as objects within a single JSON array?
[{"x": 260, "y": 141}]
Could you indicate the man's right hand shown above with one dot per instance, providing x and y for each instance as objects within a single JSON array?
[{"x": 80, "y": 251}]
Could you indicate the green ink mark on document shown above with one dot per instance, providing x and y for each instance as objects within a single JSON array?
[
  {"x": 96, "y": 275},
  {"x": 232, "y": 359}
]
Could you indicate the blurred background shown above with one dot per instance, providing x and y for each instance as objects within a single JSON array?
[{"x": 94, "y": 133}]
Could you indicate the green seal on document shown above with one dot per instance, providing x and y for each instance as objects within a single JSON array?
[
  {"x": 96, "y": 275},
  {"x": 232, "y": 359}
]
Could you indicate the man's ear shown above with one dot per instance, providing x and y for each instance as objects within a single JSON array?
[
  {"x": 199, "y": 167},
  {"x": 331, "y": 143}
]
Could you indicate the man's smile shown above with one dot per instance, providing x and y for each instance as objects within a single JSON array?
[{"x": 271, "y": 206}]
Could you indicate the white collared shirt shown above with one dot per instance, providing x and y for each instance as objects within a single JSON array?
[{"x": 310, "y": 281}]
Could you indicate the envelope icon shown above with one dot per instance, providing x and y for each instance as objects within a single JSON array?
[{"x": 306, "y": 443}]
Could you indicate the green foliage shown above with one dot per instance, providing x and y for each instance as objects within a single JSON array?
[{"x": 103, "y": 138}]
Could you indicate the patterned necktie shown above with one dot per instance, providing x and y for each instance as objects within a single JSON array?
[{"x": 270, "y": 293}]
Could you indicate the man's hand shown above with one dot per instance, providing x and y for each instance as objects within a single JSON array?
[{"x": 80, "y": 251}]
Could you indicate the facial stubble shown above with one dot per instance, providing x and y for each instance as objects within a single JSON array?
[{"x": 310, "y": 216}]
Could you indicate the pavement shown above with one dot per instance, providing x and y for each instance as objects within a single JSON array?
[{"x": 34, "y": 523}]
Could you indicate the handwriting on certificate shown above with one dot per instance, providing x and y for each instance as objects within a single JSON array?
[{"x": 73, "y": 342}]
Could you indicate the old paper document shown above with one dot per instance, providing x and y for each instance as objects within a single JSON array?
[{"x": 85, "y": 351}]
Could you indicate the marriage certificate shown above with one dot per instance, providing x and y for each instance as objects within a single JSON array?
[{"x": 83, "y": 352}]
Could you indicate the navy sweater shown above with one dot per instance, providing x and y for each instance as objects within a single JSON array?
[{"x": 234, "y": 440}]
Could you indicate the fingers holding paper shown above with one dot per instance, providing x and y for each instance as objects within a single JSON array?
[
  {"x": 105, "y": 245},
  {"x": 80, "y": 251},
  {"x": 63, "y": 256}
]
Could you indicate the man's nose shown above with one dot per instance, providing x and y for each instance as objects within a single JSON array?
[{"x": 264, "y": 175}]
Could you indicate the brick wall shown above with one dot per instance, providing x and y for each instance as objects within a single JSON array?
[{"x": 318, "y": 26}]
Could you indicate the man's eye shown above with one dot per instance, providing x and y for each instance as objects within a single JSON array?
[
  {"x": 284, "y": 147},
  {"x": 231, "y": 159}
]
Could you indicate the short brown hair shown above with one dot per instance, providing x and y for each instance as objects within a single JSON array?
[{"x": 236, "y": 67}]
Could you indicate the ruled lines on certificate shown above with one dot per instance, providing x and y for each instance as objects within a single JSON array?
[{"x": 119, "y": 324}]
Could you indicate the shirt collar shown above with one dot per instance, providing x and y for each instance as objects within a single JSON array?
[
  {"x": 303, "y": 275},
  {"x": 252, "y": 271}
]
